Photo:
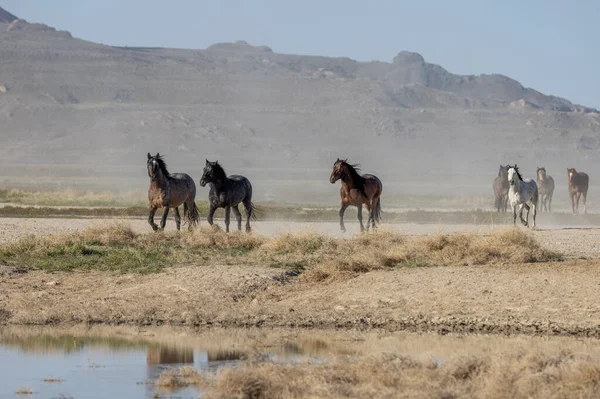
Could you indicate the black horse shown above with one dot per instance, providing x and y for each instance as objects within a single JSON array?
[{"x": 228, "y": 192}]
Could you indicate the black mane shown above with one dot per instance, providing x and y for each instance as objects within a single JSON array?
[
  {"x": 162, "y": 165},
  {"x": 218, "y": 171},
  {"x": 357, "y": 179},
  {"x": 516, "y": 170}
]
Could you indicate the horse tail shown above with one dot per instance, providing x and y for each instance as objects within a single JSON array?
[
  {"x": 378, "y": 211},
  {"x": 191, "y": 214},
  {"x": 253, "y": 210}
]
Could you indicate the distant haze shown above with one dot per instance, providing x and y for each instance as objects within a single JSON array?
[{"x": 96, "y": 110}]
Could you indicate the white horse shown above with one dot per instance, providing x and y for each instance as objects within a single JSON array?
[{"x": 520, "y": 193}]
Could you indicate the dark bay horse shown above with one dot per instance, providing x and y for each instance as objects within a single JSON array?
[
  {"x": 170, "y": 191},
  {"x": 228, "y": 192},
  {"x": 500, "y": 186},
  {"x": 545, "y": 185},
  {"x": 578, "y": 186},
  {"x": 358, "y": 190}
]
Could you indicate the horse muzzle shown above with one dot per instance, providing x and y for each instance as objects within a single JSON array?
[
  {"x": 511, "y": 182},
  {"x": 202, "y": 182},
  {"x": 332, "y": 180}
]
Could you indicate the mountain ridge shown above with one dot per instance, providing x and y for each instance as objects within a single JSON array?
[{"x": 69, "y": 99}]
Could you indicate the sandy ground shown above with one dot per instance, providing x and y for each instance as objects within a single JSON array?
[{"x": 550, "y": 298}]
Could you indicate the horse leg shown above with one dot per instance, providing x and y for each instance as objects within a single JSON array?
[
  {"x": 573, "y": 202},
  {"x": 505, "y": 203},
  {"x": 577, "y": 198},
  {"x": 360, "y": 219},
  {"x": 177, "y": 218},
  {"x": 248, "y": 208},
  {"x": 163, "y": 220},
  {"x": 514, "y": 208},
  {"x": 584, "y": 200},
  {"x": 211, "y": 213},
  {"x": 227, "y": 217},
  {"x": 534, "y": 205},
  {"x": 370, "y": 210},
  {"x": 151, "y": 219},
  {"x": 550, "y": 203},
  {"x": 527, "y": 216},
  {"x": 342, "y": 210},
  {"x": 238, "y": 216},
  {"x": 521, "y": 214}
]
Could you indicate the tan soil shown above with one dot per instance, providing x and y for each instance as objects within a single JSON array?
[{"x": 551, "y": 299}]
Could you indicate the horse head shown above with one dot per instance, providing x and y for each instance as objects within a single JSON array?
[
  {"x": 211, "y": 173},
  {"x": 541, "y": 173},
  {"x": 153, "y": 165},
  {"x": 338, "y": 170},
  {"x": 571, "y": 172},
  {"x": 513, "y": 175}
]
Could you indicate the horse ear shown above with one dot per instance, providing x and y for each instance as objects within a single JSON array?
[
  {"x": 346, "y": 160},
  {"x": 149, "y": 156},
  {"x": 157, "y": 155},
  {"x": 207, "y": 161}
]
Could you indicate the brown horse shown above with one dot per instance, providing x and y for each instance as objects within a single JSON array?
[
  {"x": 545, "y": 185},
  {"x": 500, "y": 186},
  {"x": 170, "y": 191},
  {"x": 357, "y": 190},
  {"x": 578, "y": 186}
]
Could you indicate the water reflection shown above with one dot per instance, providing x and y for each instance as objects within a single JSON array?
[
  {"x": 113, "y": 366},
  {"x": 164, "y": 355}
]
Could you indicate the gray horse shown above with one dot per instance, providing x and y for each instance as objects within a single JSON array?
[
  {"x": 521, "y": 192},
  {"x": 545, "y": 186}
]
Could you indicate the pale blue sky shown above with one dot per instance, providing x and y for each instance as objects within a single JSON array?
[{"x": 552, "y": 46}]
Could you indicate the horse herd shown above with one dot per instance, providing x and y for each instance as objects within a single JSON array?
[
  {"x": 171, "y": 190},
  {"x": 510, "y": 187}
]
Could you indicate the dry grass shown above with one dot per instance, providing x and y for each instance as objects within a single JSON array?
[
  {"x": 182, "y": 377},
  {"x": 24, "y": 391},
  {"x": 117, "y": 247},
  {"x": 524, "y": 374},
  {"x": 71, "y": 197},
  {"x": 385, "y": 249},
  {"x": 53, "y": 380}
]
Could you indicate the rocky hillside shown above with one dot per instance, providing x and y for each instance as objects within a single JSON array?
[{"x": 68, "y": 101}]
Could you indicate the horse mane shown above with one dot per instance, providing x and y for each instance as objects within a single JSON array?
[
  {"x": 516, "y": 170},
  {"x": 218, "y": 171},
  {"x": 162, "y": 165},
  {"x": 354, "y": 169}
]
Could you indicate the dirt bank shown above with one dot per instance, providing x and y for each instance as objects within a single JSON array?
[{"x": 549, "y": 299}]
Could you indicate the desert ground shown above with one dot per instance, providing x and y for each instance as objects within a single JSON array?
[{"x": 507, "y": 308}]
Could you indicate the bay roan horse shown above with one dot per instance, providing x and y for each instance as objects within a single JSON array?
[
  {"x": 358, "y": 190},
  {"x": 521, "y": 192},
  {"x": 578, "y": 186},
  {"x": 228, "y": 192},
  {"x": 170, "y": 191},
  {"x": 545, "y": 185},
  {"x": 500, "y": 186}
]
